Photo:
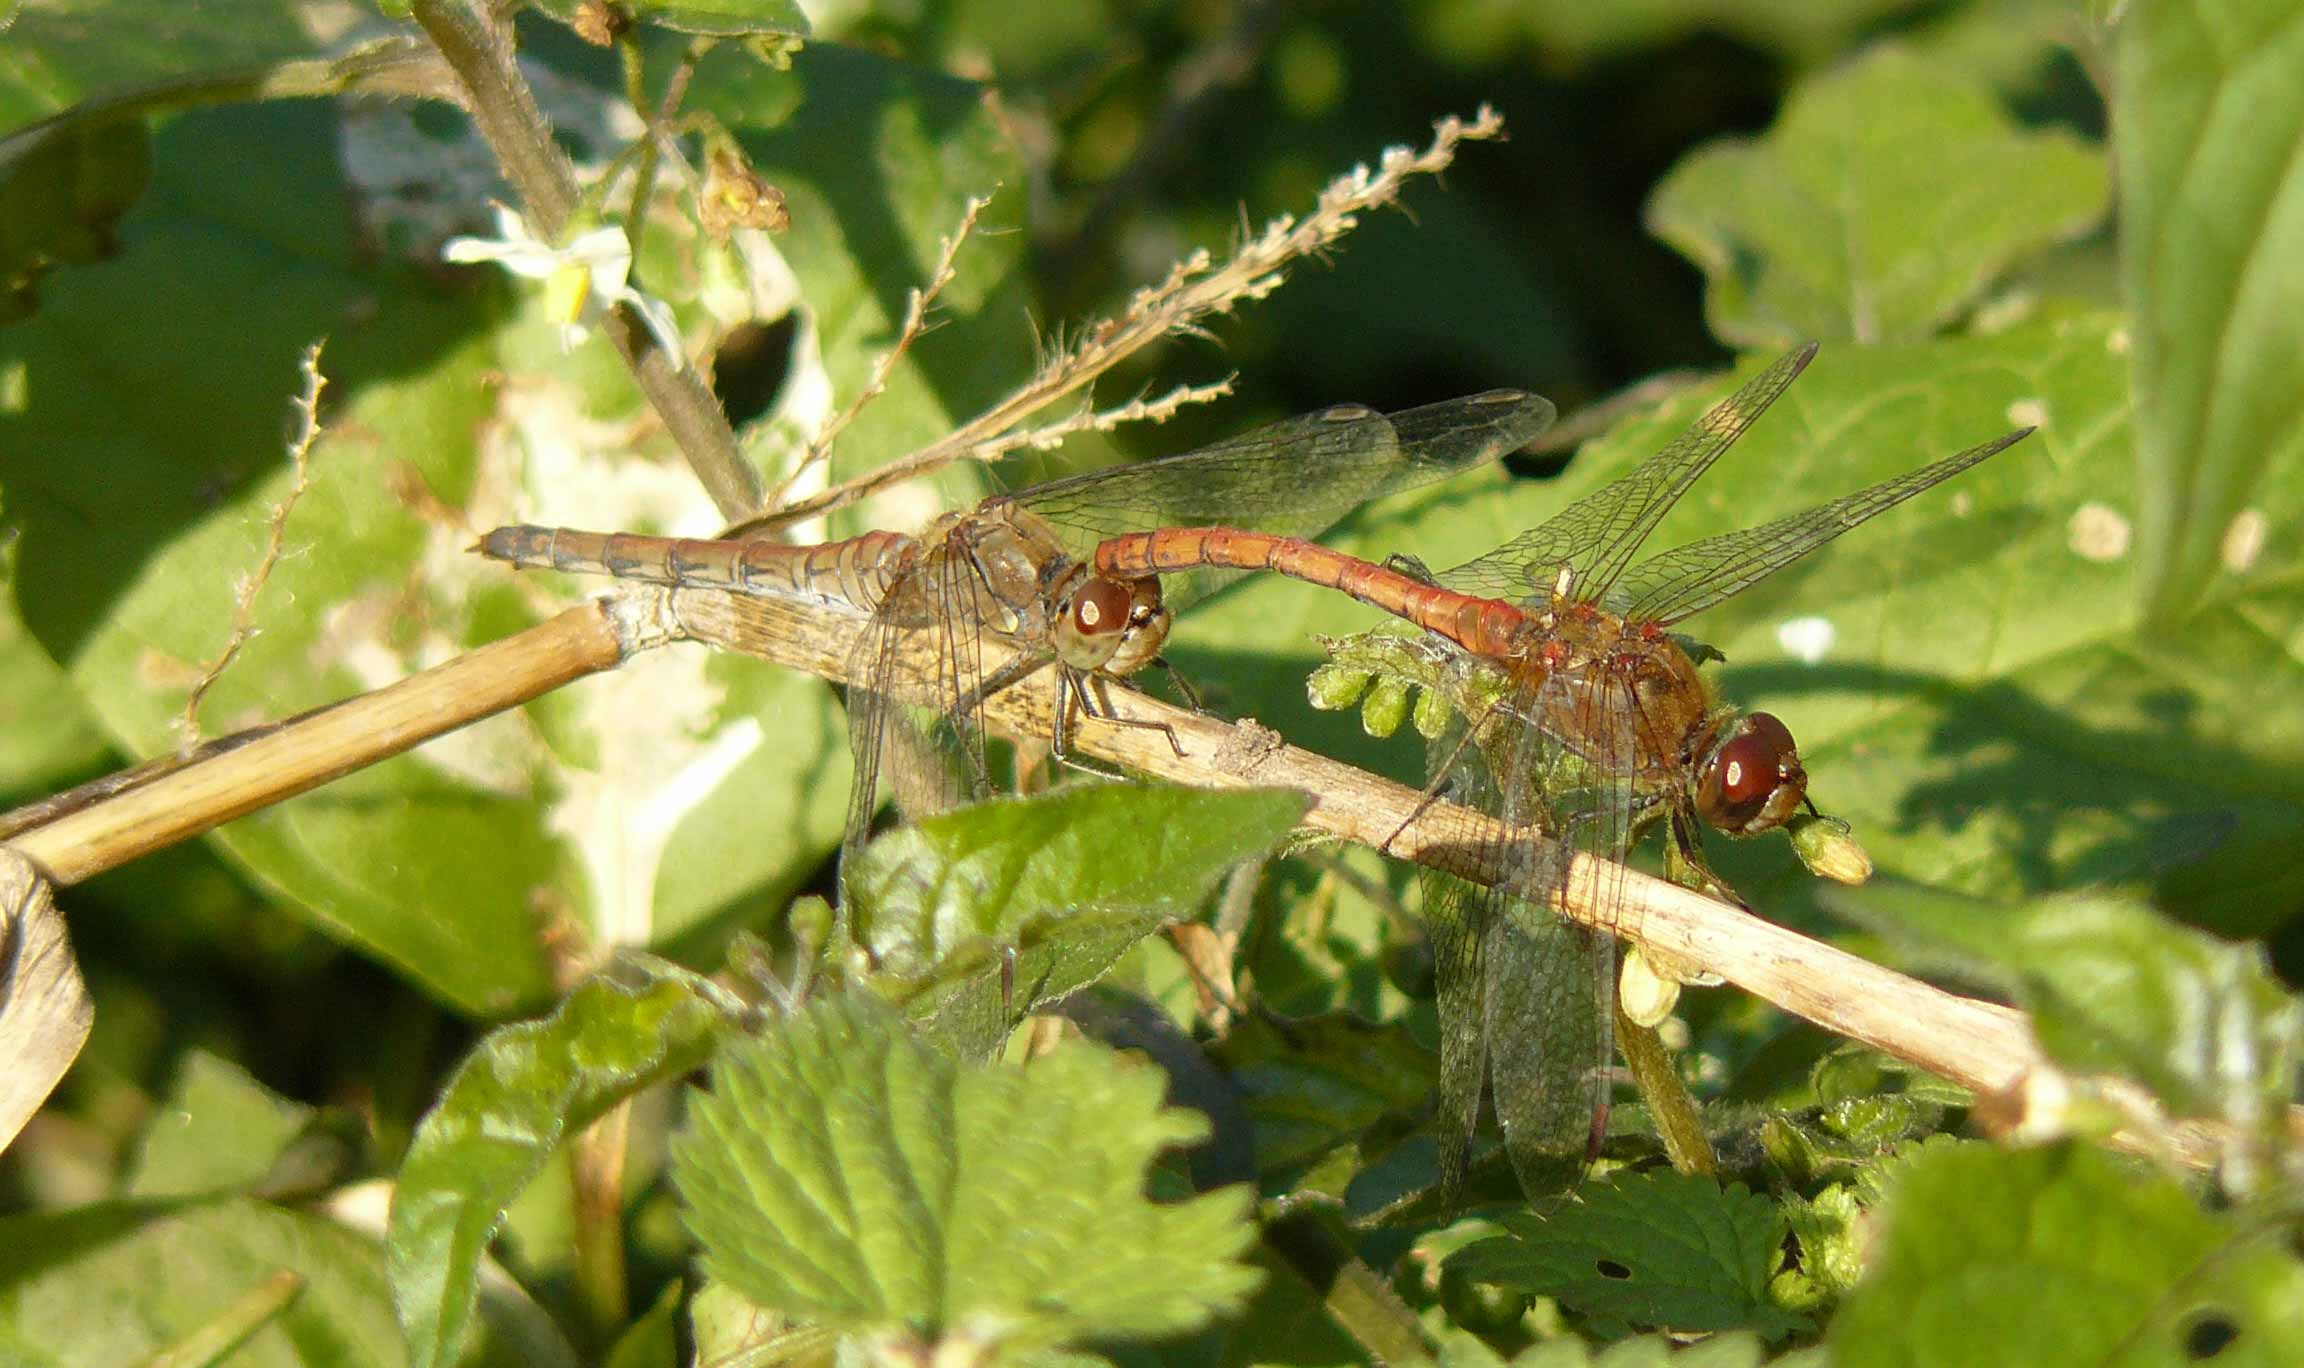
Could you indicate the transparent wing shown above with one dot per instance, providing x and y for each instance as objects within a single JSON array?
[
  {"x": 1596, "y": 537},
  {"x": 1680, "y": 584},
  {"x": 1297, "y": 477},
  {"x": 1565, "y": 764},
  {"x": 925, "y": 637}
]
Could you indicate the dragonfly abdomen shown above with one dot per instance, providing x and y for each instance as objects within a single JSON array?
[{"x": 856, "y": 571}]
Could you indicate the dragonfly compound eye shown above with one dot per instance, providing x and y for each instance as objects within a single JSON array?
[
  {"x": 1754, "y": 780},
  {"x": 1100, "y": 608}
]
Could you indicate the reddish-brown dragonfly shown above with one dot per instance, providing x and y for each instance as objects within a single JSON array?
[
  {"x": 1596, "y": 724},
  {"x": 1015, "y": 565}
]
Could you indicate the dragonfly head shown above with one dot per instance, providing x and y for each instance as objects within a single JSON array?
[
  {"x": 1112, "y": 626},
  {"x": 1752, "y": 781}
]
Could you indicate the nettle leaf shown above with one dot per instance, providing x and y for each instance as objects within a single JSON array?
[
  {"x": 1027, "y": 899},
  {"x": 1655, "y": 1249},
  {"x": 2211, "y": 151},
  {"x": 523, "y": 1090},
  {"x": 2113, "y": 987},
  {"x": 2066, "y": 1255},
  {"x": 840, "y": 1171},
  {"x": 1889, "y": 196},
  {"x": 118, "y": 1282},
  {"x": 1317, "y": 1082}
]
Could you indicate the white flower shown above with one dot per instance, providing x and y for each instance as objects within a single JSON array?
[{"x": 581, "y": 280}]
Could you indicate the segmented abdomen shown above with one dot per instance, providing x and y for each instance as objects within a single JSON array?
[
  {"x": 856, "y": 571},
  {"x": 1482, "y": 626}
]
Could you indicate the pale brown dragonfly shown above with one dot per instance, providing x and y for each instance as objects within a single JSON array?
[
  {"x": 1016, "y": 566},
  {"x": 1590, "y": 722}
]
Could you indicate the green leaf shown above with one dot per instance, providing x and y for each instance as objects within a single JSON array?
[
  {"x": 1889, "y": 196},
  {"x": 2211, "y": 149},
  {"x": 219, "y": 1130},
  {"x": 522, "y": 1091},
  {"x": 1042, "y": 894},
  {"x": 1316, "y": 1082},
  {"x": 652, "y": 1341},
  {"x": 63, "y": 187},
  {"x": 2065, "y": 1255},
  {"x": 1656, "y": 1249},
  {"x": 717, "y": 18},
  {"x": 840, "y": 1171},
  {"x": 2113, "y": 987},
  {"x": 117, "y": 1282}
]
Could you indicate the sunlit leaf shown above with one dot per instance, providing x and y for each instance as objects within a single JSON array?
[
  {"x": 840, "y": 1171},
  {"x": 218, "y": 1130},
  {"x": 1890, "y": 194},
  {"x": 2066, "y": 1255},
  {"x": 525, "y": 1089},
  {"x": 1658, "y": 1249},
  {"x": 117, "y": 1282},
  {"x": 1043, "y": 894},
  {"x": 2212, "y": 225}
]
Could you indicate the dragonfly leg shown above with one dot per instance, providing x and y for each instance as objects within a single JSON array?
[
  {"x": 1183, "y": 686},
  {"x": 1092, "y": 705},
  {"x": 1439, "y": 784}
]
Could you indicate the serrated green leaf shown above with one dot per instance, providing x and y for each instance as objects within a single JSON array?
[
  {"x": 523, "y": 1090},
  {"x": 1888, "y": 197},
  {"x": 1656, "y": 1249},
  {"x": 2113, "y": 987},
  {"x": 1316, "y": 1082},
  {"x": 2064, "y": 1255},
  {"x": 1044, "y": 893},
  {"x": 2211, "y": 149},
  {"x": 715, "y": 18},
  {"x": 218, "y": 1130},
  {"x": 117, "y": 1282},
  {"x": 838, "y": 1170}
]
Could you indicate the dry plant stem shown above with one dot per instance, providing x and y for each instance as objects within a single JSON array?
[
  {"x": 1195, "y": 289},
  {"x": 1985, "y": 1047},
  {"x": 241, "y": 775},
  {"x": 477, "y": 43},
  {"x": 1678, "y": 1123},
  {"x": 276, "y": 532}
]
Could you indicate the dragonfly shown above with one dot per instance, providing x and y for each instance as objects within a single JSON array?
[
  {"x": 1015, "y": 566},
  {"x": 1596, "y": 725}
]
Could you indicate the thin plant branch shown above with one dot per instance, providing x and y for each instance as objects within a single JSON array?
[
  {"x": 917, "y": 303},
  {"x": 1194, "y": 290},
  {"x": 244, "y": 605}
]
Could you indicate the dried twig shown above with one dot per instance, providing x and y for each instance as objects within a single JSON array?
[
  {"x": 916, "y": 305},
  {"x": 1195, "y": 289},
  {"x": 244, "y": 608}
]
